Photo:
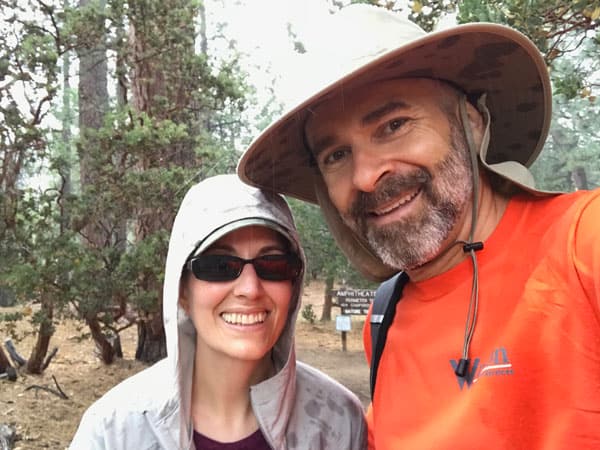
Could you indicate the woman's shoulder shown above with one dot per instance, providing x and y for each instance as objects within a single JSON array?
[
  {"x": 142, "y": 392},
  {"x": 326, "y": 413},
  {"x": 124, "y": 408},
  {"x": 311, "y": 381}
]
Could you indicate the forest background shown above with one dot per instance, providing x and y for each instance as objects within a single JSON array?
[{"x": 111, "y": 109}]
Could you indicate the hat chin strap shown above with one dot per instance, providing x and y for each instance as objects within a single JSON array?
[
  {"x": 511, "y": 171},
  {"x": 469, "y": 246}
]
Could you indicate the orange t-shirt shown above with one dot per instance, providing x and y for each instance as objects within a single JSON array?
[{"x": 534, "y": 380}]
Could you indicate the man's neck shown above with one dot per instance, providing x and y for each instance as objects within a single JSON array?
[{"x": 491, "y": 208}]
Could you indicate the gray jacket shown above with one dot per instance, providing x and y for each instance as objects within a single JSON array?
[{"x": 298, "y": 408}]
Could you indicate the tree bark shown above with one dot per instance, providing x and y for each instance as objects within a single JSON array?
[
  {"x": 93, "y": 105},
  {"x": 105, "y": 349},
  {"x": 579, "y": 178},
  {"x": 157, "y": 79},
  {"x": 151, "y": 345},
  {"x": 67, "y": 122},
  {"x": 326, "y": 314},
  {"x": 35, "y": 363}
]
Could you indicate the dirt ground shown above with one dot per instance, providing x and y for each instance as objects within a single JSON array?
[{"x": 45, "y": 421}]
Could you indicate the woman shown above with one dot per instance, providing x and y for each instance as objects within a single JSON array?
[{"x": 231, "y": 295}]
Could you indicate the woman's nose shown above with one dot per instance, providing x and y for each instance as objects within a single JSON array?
[{"x": 248, "y": 284}]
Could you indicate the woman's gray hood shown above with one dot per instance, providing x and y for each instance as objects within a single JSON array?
[{"x": 209, "y": 210}]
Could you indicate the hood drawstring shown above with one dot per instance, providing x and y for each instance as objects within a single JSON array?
[{"x": 471, "y": 247}]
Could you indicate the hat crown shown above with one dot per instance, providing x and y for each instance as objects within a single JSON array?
[
  {"x": 359, "y": 31},
  {"x": 356, "y": 35}
]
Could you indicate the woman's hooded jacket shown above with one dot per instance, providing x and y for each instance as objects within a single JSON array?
[{"x": 297, "y": 408}]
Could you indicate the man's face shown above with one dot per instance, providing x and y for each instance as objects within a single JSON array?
[{"x": 396, "y": 166}]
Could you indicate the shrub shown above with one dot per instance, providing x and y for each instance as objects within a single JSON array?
[{"x": 308, "y": 314}]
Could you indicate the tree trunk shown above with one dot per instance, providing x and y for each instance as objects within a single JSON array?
[
  {"x": 93, "y": 105},
  {"x": 202, "y": 32},
  {"x": 151, "y": 345},
  {"x": 579, "y": 178},
  {"x": 156, "y": 80},
  {"x": 35, "y": 363},
  {"x": 67, "y": 122},
  {"x": 93, "y": 94},
  {"x": 105, "y": 349},
  {"x": 326, "y": 314}
]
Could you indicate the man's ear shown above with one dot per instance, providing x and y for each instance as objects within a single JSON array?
[{"x": 476, "y": 122}]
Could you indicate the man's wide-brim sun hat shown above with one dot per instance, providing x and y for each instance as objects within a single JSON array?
[{"x": 365, "y": 44}]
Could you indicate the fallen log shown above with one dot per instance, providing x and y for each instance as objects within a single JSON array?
[
  {"x": 7, "y": 437},
  {"x": 14, "y": 355},
  {"x": 4, "y": 362},
  {"x": 10, "y": 374}
]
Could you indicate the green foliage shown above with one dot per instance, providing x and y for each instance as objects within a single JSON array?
[
  {"x": 324, "y": 258},
  {"x": 97, "y": 249},
  {"x": 425, "y": 13},
  {"x": 559, "y": 28},
  {"x": 574, "y": 141},
  {"x": 565, "y": 32},
  {"x": 7, "y": 297},
  {"x": 309, "y": 314},
  {"x": 42, "y": 255},
  {"x": 8, "y": 324}
]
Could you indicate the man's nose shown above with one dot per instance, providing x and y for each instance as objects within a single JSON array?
[{"x": 369, "y": 167}]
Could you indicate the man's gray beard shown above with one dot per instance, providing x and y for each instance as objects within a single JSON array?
[{"x": 416, "y": 240}]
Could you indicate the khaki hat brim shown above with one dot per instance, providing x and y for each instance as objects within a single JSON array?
[{"x": 478, "y": 58}]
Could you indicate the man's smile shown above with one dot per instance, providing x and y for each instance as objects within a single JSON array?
[{"x": 395, "y": 204}]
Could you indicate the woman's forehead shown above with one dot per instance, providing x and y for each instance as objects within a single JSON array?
[{"x": 253, "y": 235}]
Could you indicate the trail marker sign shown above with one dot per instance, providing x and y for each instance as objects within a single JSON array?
[{"x": 354, "y": 302}]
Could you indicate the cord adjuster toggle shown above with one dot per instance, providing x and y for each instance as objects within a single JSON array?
[{"x": 472, "y": 246}]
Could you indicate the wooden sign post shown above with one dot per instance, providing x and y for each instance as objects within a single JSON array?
[
  {"x": 343, "y": 324},
  {"x": 353, "y": 302}
]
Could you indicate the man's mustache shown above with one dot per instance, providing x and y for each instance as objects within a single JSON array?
[{"x": 392, "y": 186}]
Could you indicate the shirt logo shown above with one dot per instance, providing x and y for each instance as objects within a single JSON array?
[{"x": 498, "y": 364}]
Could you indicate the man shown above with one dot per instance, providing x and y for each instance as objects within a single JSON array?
[{"x": 416, "y": 152}]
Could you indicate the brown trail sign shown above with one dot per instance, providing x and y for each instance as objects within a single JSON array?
[{"x": 352, "y": 302}]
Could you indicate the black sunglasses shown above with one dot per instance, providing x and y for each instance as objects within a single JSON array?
[{"x": 228, "y": 267}]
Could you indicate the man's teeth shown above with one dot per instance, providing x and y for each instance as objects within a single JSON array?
[
  {"x": 397, "y": 204},
  {"x": 244, "y": 319}
]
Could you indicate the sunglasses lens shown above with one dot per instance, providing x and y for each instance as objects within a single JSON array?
[
  {"x": 277, "y": 267},
  {"x": 227, "y": 267},
  {"x": 216, "y": 267}
]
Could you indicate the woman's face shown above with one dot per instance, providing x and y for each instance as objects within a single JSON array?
[{"x": 241, "y": 318}]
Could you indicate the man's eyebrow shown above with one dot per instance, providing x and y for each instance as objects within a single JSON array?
[
  {"x": 389, "y": 107},
  {"x": 321, "y": 144},
  {"x": 370, "y": 117}
]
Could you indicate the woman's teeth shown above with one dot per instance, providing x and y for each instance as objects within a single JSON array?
[{"x": 244, "y": 319}]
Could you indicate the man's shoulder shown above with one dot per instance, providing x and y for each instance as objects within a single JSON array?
[
  {"x": 568, "y": 217},
  {"x": 559, "y": 205}
]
